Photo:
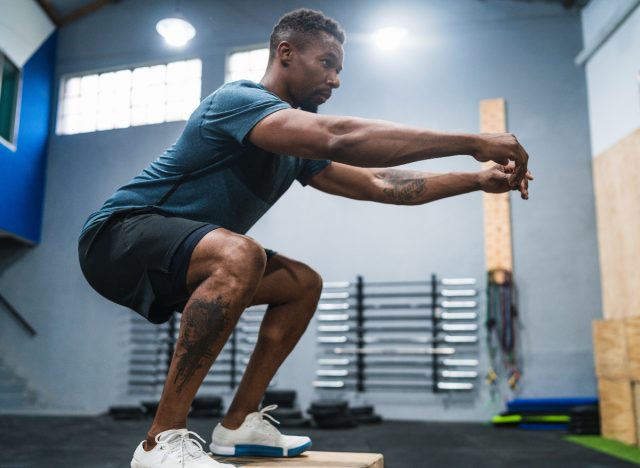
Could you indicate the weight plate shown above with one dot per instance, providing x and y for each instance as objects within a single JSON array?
[
  {"x": 283, "y": 414},
  {"x": 282, "y": 398},
  {"x": 334, "y": 405},
  {"x": 207, "y": 402},
  {"x": 369, "y": 419},
  {"x": 363, "y": 410},
  {"x": 214, "y": 413},
  {"x": 122, "y": 413},
  {"x": 336, "y": 422},
  {"x": 151, "y": 407},
  {"x": 329, "y": 412},
  {"x": 295, "y": 423}
]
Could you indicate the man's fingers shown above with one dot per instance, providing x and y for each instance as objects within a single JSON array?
[
  {"x": 524, "y": 189},
  {"x": 514, "y": 180},
  {"x": 520, "y": 172},
  {"x": 508, "y": 169},
  {"x": 522, "y": 161}
]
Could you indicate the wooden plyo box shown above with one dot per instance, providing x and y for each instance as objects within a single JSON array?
[
  {"x": 616, "y": 172},
  {"x": 610, "y": 349},
  {"x": 310, "y": 460},
  {"x": 632, "y": 333},
  {"x": 616, "y": 344},
  {"x": 636, "y": 400},
  {"x": 617, "y": 410}
]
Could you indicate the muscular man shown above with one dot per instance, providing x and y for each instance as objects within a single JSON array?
[{"x": 173, "y": 238}]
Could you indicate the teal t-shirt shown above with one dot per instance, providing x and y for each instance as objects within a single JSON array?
[{"x": 213, "y": 173}]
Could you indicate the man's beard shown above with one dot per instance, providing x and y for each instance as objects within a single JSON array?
[{"x": 305, "y": 106}]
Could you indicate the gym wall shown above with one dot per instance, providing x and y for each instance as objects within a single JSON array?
[
  {"x": 465, "y": 51},
  {"x": 22, "y": 166},
  {"x": 613, "y": 74},
  {"x": 614, "y": 116}
]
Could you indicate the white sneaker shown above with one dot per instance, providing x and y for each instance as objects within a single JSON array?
[
  {"x": 174, "y": 450},
  {"x": 257, "y": 437}
]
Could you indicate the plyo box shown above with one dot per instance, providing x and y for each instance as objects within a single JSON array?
[
  {"x": 617, "y": 359},
  {"x": 310, "y": 460}
]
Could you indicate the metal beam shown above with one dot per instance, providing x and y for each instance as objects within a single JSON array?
[
  {"x": 17, "y": 316},
  {"x": 51, "y": 12},
  {"x": 605, "y": 33},
  {"x": 85, "y": 10}
]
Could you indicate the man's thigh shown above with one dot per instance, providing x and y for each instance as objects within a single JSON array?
[
  {"x": 286, "y": 280},
  {"x": 131, "y": 260}
]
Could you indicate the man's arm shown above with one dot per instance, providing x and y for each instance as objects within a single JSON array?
[
  {"x": 375, "y": 143},
  {"x": 402, "y": 187}
]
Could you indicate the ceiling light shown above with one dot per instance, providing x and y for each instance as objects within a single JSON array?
[
  {"x": 389, "y": 38},
  {"x": 176, "y": 31}
]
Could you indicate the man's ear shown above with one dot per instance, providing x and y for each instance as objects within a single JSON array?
[{"x": 284, "y": 53}]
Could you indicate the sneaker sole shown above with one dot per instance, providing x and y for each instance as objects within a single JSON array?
[{"x": 247, "y": 450}]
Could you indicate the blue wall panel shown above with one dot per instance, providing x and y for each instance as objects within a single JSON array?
[{"x": 22, "y": 172}]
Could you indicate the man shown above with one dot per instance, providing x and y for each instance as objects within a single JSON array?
[{"x": 173, "y": 238}]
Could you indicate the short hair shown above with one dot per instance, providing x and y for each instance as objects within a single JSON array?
[{"x": 301, "y": 26}]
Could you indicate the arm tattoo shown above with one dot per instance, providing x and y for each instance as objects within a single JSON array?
[
  {"x": 402, "y": 187},
  {"x": 204, "y": 324}
]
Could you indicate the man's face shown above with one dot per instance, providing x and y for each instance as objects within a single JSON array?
[{"x": 313, "y": 72}]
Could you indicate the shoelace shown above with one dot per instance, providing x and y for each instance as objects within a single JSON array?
[
  {"x": 262, "y": 414},
  {"x": 184, "y": 444}
]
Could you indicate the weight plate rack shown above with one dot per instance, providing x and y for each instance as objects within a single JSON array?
[
  {"x": 398, "y": 335},
  {"x": 151, "y": 349}
]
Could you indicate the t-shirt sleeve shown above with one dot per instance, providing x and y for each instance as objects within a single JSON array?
[
  {"x": 236, "y": 108},
  {"x": 311, "y": 167}
]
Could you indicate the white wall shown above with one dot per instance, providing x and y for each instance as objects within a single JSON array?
[
  {"x": 23, "y": 29},
  {"x": 613, "y": 74}
]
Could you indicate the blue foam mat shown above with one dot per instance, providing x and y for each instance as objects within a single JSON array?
[{"x": 520, "y": 405}]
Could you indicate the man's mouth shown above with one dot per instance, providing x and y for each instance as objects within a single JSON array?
[{"x": 324, "y": 96}]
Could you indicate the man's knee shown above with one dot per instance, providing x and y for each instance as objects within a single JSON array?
[
  {"x": 311, "y": 283},
  {"x": 245, "y": 254},
  {"x": 306, "y": 283},
  {"x": 227, "y": 257}
]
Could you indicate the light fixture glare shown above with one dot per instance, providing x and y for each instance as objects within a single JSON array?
[
  {"x": 389, "y": 38},
  {"x": 176, "y": 31}
]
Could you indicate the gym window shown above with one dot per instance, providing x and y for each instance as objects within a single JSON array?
[
  {"x": 247, "y": 64},
  {"x": 129, "y": 97},
  {"x": 9, "y": 85}
]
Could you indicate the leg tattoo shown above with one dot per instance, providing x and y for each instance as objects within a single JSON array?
[{"x": 205, "y": 323}]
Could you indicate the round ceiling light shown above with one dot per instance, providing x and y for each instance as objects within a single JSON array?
[
  {"x": 389, "y": 38},
  {"x": 176, "y": 31}
]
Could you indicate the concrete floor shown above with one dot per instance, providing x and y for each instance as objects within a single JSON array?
[{"x": 100, "y": 442}]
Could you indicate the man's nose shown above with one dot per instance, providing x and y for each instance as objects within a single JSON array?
[{"x": 334, "y": 80}]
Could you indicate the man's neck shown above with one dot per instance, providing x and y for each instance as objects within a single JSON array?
[{"x": 277, "y": 86}]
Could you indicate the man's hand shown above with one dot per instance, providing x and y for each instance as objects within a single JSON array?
[
  {"x": 497, "y": 180},
  {"x": 502, "y": 148}
]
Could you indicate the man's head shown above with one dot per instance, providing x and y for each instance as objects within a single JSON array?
[{"x": 306, "y": 47}]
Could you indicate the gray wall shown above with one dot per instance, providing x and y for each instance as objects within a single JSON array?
[
  {"x": 463, "y": 52},
  {"x": 612, "y": 73}
]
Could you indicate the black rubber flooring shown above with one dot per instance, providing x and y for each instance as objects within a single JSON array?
[{"x": 100, "y": 442}]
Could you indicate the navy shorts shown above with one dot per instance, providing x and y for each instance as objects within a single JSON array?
[{"x": 139, "y": 259}]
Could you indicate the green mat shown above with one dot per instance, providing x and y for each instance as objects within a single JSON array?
[
  {"x": 518, "y": 418},
  {"x": 614, "y": 448}
]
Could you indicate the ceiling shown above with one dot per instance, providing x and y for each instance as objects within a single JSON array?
[{"x": 63, "y": 12}]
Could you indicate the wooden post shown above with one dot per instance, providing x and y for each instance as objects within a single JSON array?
[{"x": 497, "y": 210}]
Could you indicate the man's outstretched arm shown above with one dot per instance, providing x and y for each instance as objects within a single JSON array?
[
  {"x": 376, "y": 143},
  {"x": 403, "y": 187}
]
